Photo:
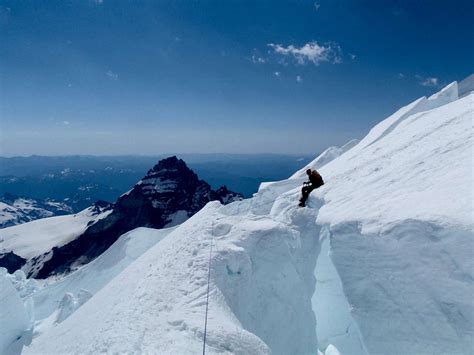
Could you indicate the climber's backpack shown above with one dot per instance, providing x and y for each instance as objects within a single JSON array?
[{"x": 316, "y": 179}]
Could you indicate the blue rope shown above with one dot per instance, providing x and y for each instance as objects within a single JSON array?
[{"x": 208, "y": 287}]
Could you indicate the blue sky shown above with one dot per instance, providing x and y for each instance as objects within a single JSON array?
[{"x": 150, "y": 77}]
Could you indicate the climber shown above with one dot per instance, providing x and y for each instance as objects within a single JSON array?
[{"x": 315, "y": 181}]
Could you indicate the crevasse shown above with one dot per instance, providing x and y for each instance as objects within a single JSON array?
[{"x": 335, "y": 324}]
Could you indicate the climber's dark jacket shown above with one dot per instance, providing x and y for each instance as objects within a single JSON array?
[{"x": 315, "y": 179}]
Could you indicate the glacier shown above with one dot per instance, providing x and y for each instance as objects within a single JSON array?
[
  {"x": 380, "y": 262},
  {"x": 34, "y": 242}
]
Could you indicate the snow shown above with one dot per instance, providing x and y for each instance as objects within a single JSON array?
[
  {"x": 380, "y": 262},
  {"x": 466, "y": 86},
  {"x": 127, "y": 193},
  {"x": 14, "y": 317},
  {"x": 22, "y": 210},
  {"x": 330, "y": 305},
  {"x": 177, "y": 218},
  {"x": 399, "y": 211},
  {"x": 8, "y": 214},
  {"x": 152, "y": 314},
  {"x": 151, "y": 185},
  {"x": 39, "y": 237},
  {"x": 332, "y": 350},
  {"x": 95, "y": 275},
  {"x": 426, "y": 174},
  {"x": 325, "y": 157}
]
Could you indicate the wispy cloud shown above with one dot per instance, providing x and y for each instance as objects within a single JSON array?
[
  {"x": 258, "y": 60},
  {"x": 63, "y": 123},
  {"x": 352, "y": 55},
  {"x": 427, "y": 81},
  {"x": 317, "y": 5},
  {"x": 112, "y": 75},
  {"x": 430, "y": 82},
  {"x": 299, "y": 79},
  {"x": 311, "y": 52},
  {"x": 277, "y": 74}
]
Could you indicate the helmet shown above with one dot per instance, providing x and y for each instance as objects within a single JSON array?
[{"x": 308, "y": 171}]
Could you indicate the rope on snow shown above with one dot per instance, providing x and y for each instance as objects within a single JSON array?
[{"x": 208, "y": 288}]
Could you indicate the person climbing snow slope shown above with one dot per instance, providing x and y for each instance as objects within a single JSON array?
[{"x": 315, "y": 181}]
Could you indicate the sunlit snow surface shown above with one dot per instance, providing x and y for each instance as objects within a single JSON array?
[
  {"x": 395, "y": 277},
  {"x": 157, "y": 304},
  {"x": 399, "y": 209},
  {"x": 38, "y": 237}
]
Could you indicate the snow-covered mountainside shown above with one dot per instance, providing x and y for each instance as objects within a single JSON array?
[
  {"x": 30, "y": 245},
  {"x": 16, "y": 210},
  {"x": 380, "y": 262},
  {"x": 46, "y": 306},
  {"x": 168, "y": 195},
  {"x": 325, "y": 157},
  {"x": 398, "y": 212}
]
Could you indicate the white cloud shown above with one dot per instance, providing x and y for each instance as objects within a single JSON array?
[
  {"x": 257, "y": 59},
  {"x": 310, "y": 52},
  {"x": 429, "y": 81},
  {"x": 299, "y": 79},
  {"x": 352, "y": 55},
  {"x": 99, "y": 2},
  {"x": 112, "y": 75},
  {"x": 60, "y": 123},
  {"x": 277, "y": 74},
  {"x": 317, "y": 5},
  {"x": 401, "y": 76}
]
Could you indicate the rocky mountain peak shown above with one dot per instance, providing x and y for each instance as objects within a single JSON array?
[
  {"x": 169, "y": 176},
  {"x": 171, "y": 163}
]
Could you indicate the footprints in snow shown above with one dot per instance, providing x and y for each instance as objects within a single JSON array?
[{"x": 221, "y": 229}]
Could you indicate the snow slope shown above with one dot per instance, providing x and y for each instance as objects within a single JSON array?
[
  {"x": 162, "y": 308},
  {"x": 16, "y": 210},
  {"x": 325, "y": 157},
  {"x": 14, "y": 319},
  {"x": 420, "y": 169},
  {"x": 95, "y": 275},
  {"x": 394, "y": 221},
  {"x": 38, "y": 237},
  {"x": 399, "y": 210},
  {"x": 21, "y": 211},
  {"x": 57, "y": 300}
]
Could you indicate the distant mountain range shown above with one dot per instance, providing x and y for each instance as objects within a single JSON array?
[
  {"x": 16, "y": 210},
  {"x": 78, "y": 181}
]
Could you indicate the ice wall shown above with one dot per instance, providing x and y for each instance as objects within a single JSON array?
[
  {"x": 15, "y": 318},
  {"x": 335, "y": 323}
]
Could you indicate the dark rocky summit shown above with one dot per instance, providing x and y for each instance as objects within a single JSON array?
[{"x": 168, "y": 194}]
